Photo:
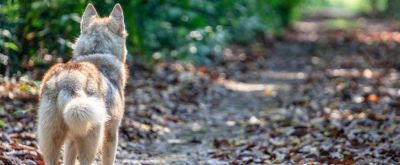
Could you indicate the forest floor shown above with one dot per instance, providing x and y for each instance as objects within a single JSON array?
[{"x": 318, "y": 94}]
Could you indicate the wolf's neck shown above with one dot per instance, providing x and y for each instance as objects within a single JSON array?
[
  {"x": 99, "y": 45},
  {"x": 93, "y": 45}
]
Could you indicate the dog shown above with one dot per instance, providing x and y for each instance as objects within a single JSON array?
[{"x": 82, "y": 101}]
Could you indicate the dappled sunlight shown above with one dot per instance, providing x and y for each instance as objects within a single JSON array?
[
  {"x": 274, "y": 81},
  {"x": 161, "y": 159},
  {"x": 367, "y": 73},
  {"x": 363, "y": 30},
  {"x": 312, "y": 27},
  {"x": 159, "y": 129},
  {"x": 335, "y": 114},
  {"x": 378, "y": 36},
  {"x": 285, "y": 75},
  {"x": 366, "y": 37},
  {"x": 259, "y": 82},
  {"x": 311, "y": 35},
  {"x": 269, "y": 89}
]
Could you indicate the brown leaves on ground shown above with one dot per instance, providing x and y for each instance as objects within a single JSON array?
[{"x": 329, "y": 97}]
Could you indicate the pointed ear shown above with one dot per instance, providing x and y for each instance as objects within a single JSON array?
[
  {"x": 117, "y": 15},
  {"x": 89, "y": 13}
]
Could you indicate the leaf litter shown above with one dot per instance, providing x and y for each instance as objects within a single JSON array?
[{"x": 290, "y": 100}]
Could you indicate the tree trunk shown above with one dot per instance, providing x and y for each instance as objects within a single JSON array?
[{"x": 392, "y": 10}]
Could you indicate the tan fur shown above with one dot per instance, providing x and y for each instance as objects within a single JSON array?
[{"x": 82, "y": 101}]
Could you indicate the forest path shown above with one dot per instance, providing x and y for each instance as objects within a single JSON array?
[
  {"x": 257, "y": 92},
  {"x": 318, "y": 94}
]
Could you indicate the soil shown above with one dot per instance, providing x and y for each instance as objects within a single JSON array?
[{"x": 311, "y": 96}]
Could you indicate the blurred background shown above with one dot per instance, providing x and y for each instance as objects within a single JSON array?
[
  {"x": 223, "y": 81},
  {"x": 40, "y": 32}
]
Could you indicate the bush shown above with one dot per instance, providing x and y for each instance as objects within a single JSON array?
[
  {"x": 36, "y": 32},
  {"x": 39, "y": 32}
]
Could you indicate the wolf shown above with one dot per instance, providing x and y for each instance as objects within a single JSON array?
[{"x": 82, "y": 101}]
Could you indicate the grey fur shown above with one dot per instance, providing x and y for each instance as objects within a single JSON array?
[{"x": 73, "y": 95}]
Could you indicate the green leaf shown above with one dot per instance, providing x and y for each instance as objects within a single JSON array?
[
  {"x": 2, "y": 123},
  {"x": 12, "y": 46},
  {"x": 24, "y": 88}
]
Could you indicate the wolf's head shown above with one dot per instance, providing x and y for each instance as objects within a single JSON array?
[{"x": 102, "y": 35}]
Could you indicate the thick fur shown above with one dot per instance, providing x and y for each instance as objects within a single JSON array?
[
  {"x": 83, "y": 113},
  {"x": 82, "y": 101}
]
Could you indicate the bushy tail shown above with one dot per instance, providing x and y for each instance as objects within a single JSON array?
[{"x": 82, "y": 113}]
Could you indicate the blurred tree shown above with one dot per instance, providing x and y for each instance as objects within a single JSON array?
[
  {"x": 392, "y": 10},
  {"x": 287, "y": 9},
  {"x": 40, "y": 32}
]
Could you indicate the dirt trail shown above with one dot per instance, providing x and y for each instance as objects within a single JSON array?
[
  {"x": 316, "y": 94},
  {"x": 248, "y": 96}
]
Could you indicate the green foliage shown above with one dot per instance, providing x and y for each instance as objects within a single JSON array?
[
  {"x": 41, "y": 31},
  {"x": 287, "y": 10},
  {"x": 2, "y": 123},
  {"x": 34, "y": 29},
  {"x": 354, "y": 6}
]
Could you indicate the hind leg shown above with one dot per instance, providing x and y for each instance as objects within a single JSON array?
[
  {"x": 51, "y": 132},
  {"x": 110, "y": 143},
  {"x": 88, "y": 145},
  {"x": 70, "y": 152}
]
